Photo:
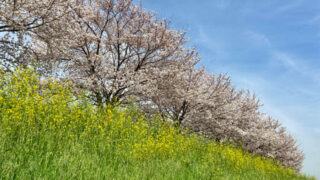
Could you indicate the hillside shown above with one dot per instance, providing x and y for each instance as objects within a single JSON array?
[{"x": 47, "y": 132}]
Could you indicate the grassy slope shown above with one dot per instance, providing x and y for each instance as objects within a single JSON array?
[{"x": 45, "y": 135}]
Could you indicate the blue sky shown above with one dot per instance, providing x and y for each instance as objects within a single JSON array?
[{"x": 269, "y": 47}]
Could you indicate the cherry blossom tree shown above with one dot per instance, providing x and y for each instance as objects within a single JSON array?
[
  {"x": 177, "y": 93},
  {"x": 109, "y": 45},
  {"x": 20, "y": 19},
  {"x": 210, "y": 106}
]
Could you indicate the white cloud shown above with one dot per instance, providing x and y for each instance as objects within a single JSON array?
[
  {"x": 314, "y": 20},
  {"x": 210, "y": 42},
  {"x": 222, "y": 4},
  {"x": 286, "y": 60},
  {"x": 289, "y": 6},
  {"x": 302, "y": 67},
  {"x": 258, "y": 38}
]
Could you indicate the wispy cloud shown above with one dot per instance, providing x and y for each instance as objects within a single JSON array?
[
  {"x": 209, "y": 42},
  {"x": 314, "y": 20},
  {"x": 302, "y": 67},
  {"x": 289, "y": 62},
  {"x": 286, "y": 60},
  {"x": 222, "y": 4},
  {"x": 288, "y": 6},
  {"x": 257, "y": 38}
]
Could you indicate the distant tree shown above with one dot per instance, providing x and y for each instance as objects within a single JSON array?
[{"x": 209, "y": 105}]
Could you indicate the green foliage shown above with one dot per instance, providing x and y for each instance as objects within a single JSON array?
[{"x": 46, "y": 132}]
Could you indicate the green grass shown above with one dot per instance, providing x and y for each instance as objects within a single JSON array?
[{"x": 45, "y": 133}]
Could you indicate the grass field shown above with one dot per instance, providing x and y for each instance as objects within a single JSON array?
[{"x": 48, "y": 133}]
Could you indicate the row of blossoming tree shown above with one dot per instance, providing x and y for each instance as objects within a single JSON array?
[{"x": 116, "y": 50}]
